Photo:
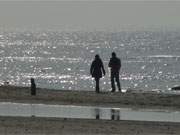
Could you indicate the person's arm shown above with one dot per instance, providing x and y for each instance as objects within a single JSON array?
[
  {"x": 104, "y": 72},
  {"x": 91, "y": 68},
  {"x": 110, "y": 63},
  {"x": 119, "y": 64}
]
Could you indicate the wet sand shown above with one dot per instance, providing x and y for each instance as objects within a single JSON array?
[
  {"x": 34, "y": 125},
  {"x": 46, "y": 96},
  {"x": 52, "y": 126}
]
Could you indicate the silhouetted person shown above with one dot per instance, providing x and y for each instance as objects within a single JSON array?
[
  {"x": 33, "y": 87},
  {"x": 96, "y": 70},
  {"x": 115, "y": 65}
]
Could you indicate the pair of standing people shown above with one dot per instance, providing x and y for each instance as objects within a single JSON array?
[{"x": 97, "y": 69}]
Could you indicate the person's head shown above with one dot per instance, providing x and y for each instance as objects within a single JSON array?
[
  {"x": 32, "y": 80},
  {"x": 113, "y": 54},
  {"x": 97, "y": 56}
]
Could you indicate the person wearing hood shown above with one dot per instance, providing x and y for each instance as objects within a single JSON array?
[{"x": 96, "y": 70}]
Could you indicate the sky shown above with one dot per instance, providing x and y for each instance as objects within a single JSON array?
[{"x": 89, "y": 15}]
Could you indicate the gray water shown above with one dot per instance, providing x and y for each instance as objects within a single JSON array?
[
  {"x": 61, "y": 60},
  {"x": 87, "y": 112}
]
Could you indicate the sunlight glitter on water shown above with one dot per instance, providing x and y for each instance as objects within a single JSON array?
[{"x": 150, "y": 59}]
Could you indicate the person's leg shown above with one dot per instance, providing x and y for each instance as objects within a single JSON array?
[
  {"x": 112, "y": 83},
  {"x": 118, "y": 82},
  {"x": 97, "y": 84}
]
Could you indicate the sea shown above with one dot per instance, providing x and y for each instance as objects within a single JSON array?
[{"x": 61, "y": 60}]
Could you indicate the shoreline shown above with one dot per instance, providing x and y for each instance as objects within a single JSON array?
[
  {"x": 90, "y": 98},
  {"x": 67, "y": 126}
]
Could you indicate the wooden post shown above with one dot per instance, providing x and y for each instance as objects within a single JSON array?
[{"x": 33, "y": 87}]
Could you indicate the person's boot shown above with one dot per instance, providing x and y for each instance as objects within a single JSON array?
[
  {"x": 113, "y": 90},
  {"x": 97, "y": 90}
]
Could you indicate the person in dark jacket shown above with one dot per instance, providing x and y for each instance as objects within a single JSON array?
[
  {"x": 115, "y": 65},
  {"x": 96, "y": 70}
]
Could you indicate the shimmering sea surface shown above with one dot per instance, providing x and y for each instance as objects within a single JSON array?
[{"x": 61, "y": 60}]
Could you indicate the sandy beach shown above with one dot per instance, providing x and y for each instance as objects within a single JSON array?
[
  {"x": 130, "y": 99},
  {"x": 35, "y": 125},
  {"x": 39, "y": 126}
]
